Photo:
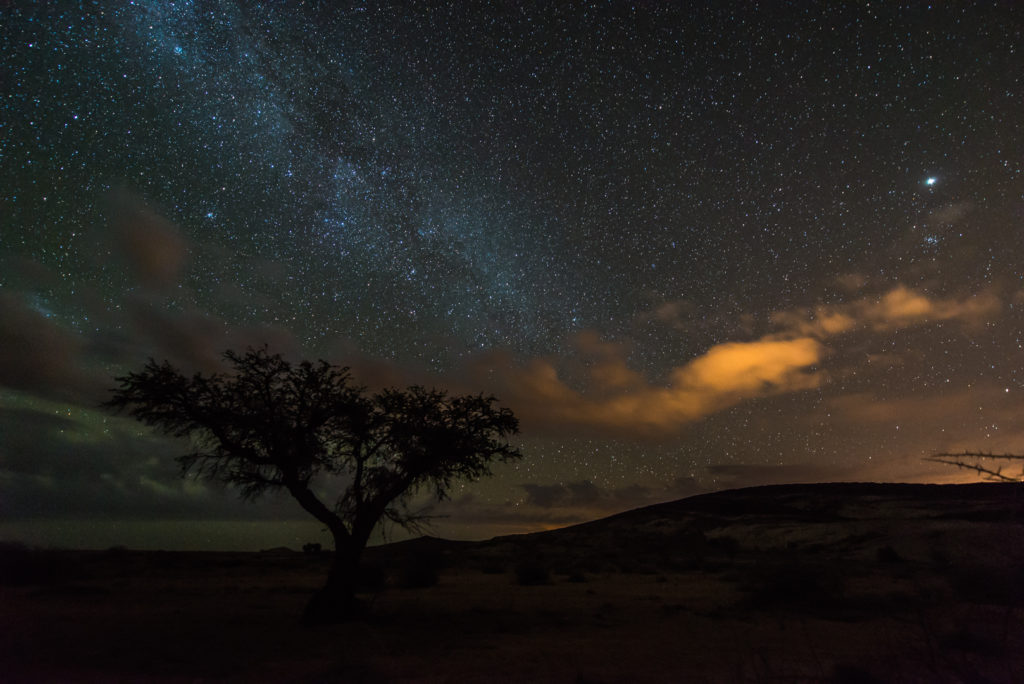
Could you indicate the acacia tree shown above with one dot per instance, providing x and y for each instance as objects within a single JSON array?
[{"x": 271, "y": 425}]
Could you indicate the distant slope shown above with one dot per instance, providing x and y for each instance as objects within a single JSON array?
[
  {"x": 835, "y": 498},
  {"x": 835, "y": 521}
]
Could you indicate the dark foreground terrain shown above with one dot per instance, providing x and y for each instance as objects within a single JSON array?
[{"x": 810, "y": 583}]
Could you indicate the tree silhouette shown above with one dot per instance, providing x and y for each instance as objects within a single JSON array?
[
  {"x": 989, "y": 466},
  {"x": 270, "y": 425}
]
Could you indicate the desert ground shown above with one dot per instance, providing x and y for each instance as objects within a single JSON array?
[{"x": 795, "y": 583}]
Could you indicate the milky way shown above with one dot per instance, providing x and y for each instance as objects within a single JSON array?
[{"x": 628, "y": 211}]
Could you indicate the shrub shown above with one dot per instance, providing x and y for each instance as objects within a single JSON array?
[
  {"x": 887, "y": 554},
  {"x": 421, "y": 570},
  {"x": 372, "y": 577},
  {"x": 419, "y": 576},
  {"x": 988, "y": 585},
  {"x": 492, "y": 568},
  {"x": 795, "y": 587},
  {"x": 852, "y": 674},
  {"x": 21, "y": 566},
  {"x": 532, "y": 574},
  {"x": 724, "y": 544}
]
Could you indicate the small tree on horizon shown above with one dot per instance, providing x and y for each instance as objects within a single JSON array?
[{"x": 271, "y": 425}]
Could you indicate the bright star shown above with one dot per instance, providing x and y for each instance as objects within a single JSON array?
[{"x": 931, "y": 180}]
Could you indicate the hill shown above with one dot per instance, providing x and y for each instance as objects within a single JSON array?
[{"x": 964, "y": 523}]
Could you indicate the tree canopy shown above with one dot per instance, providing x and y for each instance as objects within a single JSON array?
[{"x": 269, "y": 424}]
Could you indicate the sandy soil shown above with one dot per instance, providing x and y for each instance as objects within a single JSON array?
[
  {"x": 209, "y": 617},
  {"x": 776, "y": 586}
]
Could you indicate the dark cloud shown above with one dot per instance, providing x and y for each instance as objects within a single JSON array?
[
  {"x": 196, "y": 339},
  {"x": 92, "y": 467},
  {"x": 24, "y": 275},
  {"x": 573, "y": 494},
  {"x": 39, "y": 357},
  {"x": 30, "y": 442},
  {"x": 153, "y": 247}
]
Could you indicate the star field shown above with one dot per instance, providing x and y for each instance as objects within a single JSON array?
[{"x": 694, "y": 246}]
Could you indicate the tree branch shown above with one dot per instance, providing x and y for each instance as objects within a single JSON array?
[{"x": 963, "y": 461}]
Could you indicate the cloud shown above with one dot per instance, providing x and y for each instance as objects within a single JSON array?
[
  {"x": 900, "y": 307},
  {"x": 25, "y": 274},
  {"x": 571, "y": 495},
  {"x": 603, "y": 368},
  {"x": 746, "y": 369},
  {"x": 155, "y": 250},
  {"x": 950, "y": 213},
  {"x": 726, "y": 374},
  {"x": 673, "y": 314},
  {"x": 38, "y": 356},
  {"x": 599, "y": 391},
  {"x": 82, "y": 464},
  {"x": 196, "y": 339},
  {"x": 851, "y": 282}
]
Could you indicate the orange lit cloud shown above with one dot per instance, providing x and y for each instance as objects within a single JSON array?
[
  {"x": 725, "y": 375},
  {"x": 747, "y": 368},
  {"x": 898, "y": 308},
  {"x": 604, "y": 393},
  {"x": 903, "y": 306}
]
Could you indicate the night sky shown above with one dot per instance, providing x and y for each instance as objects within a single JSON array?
[{"x": 692, "y": 245}]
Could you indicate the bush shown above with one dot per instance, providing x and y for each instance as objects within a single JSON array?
[
  {"x": 421, "y": 570},
  {"x": 492, "y": 568},
  {"x": 795, "y": 587},
  {"x": 372, "y": 578},
  {"x": 532, "y": 574},
  {"x": 990, "y": 585},
  {"x": 853, "y": 674},
  {"x": 22, "y": 566},
  {"x": 724, "y": 544},
  {"x": 416, "y": 576},
  {"x": 887, "y": 554}
]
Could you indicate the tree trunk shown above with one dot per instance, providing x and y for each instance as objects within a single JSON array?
[{"x": 336, "y": 601}]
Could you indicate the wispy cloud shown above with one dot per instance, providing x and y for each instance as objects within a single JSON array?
[
  {"x": 900, "y": 307},
  {"x": 951, "y": 213}
]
